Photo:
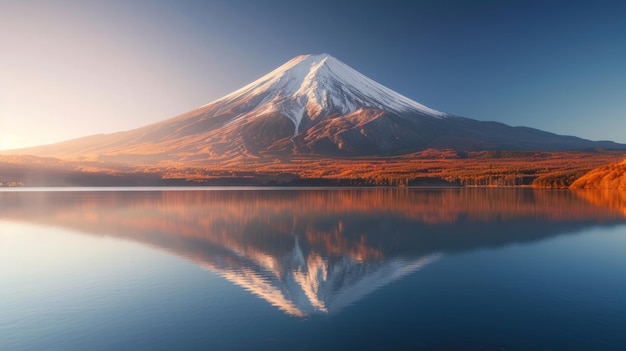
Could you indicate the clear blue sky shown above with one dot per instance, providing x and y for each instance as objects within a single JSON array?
[{"x": 75, "y": 68}]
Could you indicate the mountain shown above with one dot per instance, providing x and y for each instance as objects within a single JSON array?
[{"x": 311, "y": 105}]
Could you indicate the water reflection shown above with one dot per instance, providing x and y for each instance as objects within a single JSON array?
[
  {"x": 317, "y": 251},
  {"x": 610, "y": 199}
]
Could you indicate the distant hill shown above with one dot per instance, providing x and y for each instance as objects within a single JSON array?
[
  {"x": 612, "y": 176},
  {"x": 313, "y": 106}
]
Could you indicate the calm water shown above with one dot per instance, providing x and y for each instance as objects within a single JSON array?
[{"x": 285, "y": 269}]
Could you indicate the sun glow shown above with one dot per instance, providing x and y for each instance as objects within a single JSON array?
[{"x": 8, "y": 142}]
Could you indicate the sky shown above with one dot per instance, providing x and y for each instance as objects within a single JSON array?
[{"x": 71, "y": 68}]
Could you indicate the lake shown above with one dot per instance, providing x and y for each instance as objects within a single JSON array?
[{"x": 312, "y": 269}]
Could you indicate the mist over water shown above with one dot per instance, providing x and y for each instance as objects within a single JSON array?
[{"x": 312, "y": 268}]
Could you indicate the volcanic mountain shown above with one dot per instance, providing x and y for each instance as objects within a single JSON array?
[{"x": 311, "y": 105}]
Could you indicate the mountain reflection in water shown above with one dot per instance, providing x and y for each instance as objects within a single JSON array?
[{"x": 315, "y": 251}]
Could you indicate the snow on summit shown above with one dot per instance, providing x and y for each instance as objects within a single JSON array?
[{"x": 315, "y": 85}]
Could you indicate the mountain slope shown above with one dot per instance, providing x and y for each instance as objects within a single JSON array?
[
  {"x": 311, "y": 105},
  {"x": 611, "y": 176}
]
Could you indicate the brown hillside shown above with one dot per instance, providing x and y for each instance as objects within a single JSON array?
[{"x": 612, "y": 176}]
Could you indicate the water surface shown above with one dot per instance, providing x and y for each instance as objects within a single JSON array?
[{"x": 189, "y": 269}]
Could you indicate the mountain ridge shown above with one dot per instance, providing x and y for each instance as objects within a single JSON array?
[{"x": 312, "y": 105}]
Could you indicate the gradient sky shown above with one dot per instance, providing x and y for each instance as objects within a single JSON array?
[{"x": 76, "y": 68}]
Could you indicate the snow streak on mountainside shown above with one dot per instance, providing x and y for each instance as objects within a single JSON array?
[{"x": 312, "y": 85}]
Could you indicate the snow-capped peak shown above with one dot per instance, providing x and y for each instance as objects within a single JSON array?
[{"x": 308, "y": 86}]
